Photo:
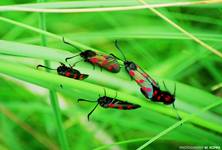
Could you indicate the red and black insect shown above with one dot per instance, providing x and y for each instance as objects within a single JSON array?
[
  {"x": 69, "y": 72},
  {"x": 107, "y": 62},
  {"x": 149, "y": 87},
  {"x": 108, "y": 102}
]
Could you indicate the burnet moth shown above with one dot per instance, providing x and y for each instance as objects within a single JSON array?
[
  {"x": 107, "y": 62},
  {"x": 108, "y": 102},
  {"x": 69, "y": 72},
  {"x": 148, "y": 86}
]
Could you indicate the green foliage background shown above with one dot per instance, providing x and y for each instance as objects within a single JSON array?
[{"x": 31, "y": 118}]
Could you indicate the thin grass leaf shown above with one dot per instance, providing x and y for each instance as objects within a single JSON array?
[
  {"x": 52, "y": 81},
  {"x": 158, "y": 48},
  {"x": 12, "y": 140},
  {"x": 84, "y": 10},
  {"x": 188, "y": 118},
  {"x": 42, "y": 139},
  {"x": 52, "y": 94},
  {"x": 43, "y": 32},
  {"x": 213, "y": 50}
]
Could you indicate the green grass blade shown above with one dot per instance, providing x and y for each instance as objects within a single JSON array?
[
  {"x": 104, "y": 3},
  {"x": 25, "y": 50},
  {"x": 179, "y": 123},
  {"x": 100, "y": 9},
  {"x": 58, "y": 116},
  {"x": 11, "y": 140},
  {"x": 52, "y": 81},
  {"x": 163, "y": 52},
  {"x": 52, "y": 94},
  {"x": 43, "y": 32}
]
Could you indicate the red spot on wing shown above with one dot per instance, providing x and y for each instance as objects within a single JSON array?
[
  {"x": 145, "y": 75},
  {"x": 111, "y": 105},
  {"x": 140, "y": 81},
  {"x": 149, "y": 89},
  {"x": 167, "y": 98},
  {"x": 146, "y": 89},
  {"x": 104, "y": 62},
  {"x": 67, "y": 74},
  {"x": 158, "y": 98},
  {"x": 155, "y": 93},
  {"x": 93, "y": 60},
  {"x": 129, "y": 106},
  {"x": 115, "y": 66},
  {"x": 131, "y": 72},
  {"x": 110, "y": 68},
  {"x": 75, "y": 76},
  {"x": 81, "y": 77},
  {"x": 120, "y": 107}
]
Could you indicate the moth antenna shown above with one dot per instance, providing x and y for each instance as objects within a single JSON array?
[
  {"x": 63, "y": 39},
  {"x": 115, "y": 96},
  {"x": 104, "y": 91},
  {"x": 92, "y": 111},
  {"x": 71, "y": 66},
  {"x": 117, "y": 46},
  {"x": 165, "y": 86},
  {"x": 44, "y": 67},
  {"x": 174, "y": 93},
  {"x": 116, "y": 57},
  {"x": 178, "y": 116},
  {"x": 86, "y": 100},
  {"x": 61, "y": 63},
  {"x": 67, "y": 58},
  {"x": 76, "y": 63}
]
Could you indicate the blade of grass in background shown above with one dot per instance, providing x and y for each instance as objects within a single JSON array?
[
  {"x": 52, "y": 81},
  {"x": 101, "y": 3},
  {"x": 43, "y": 32},
  {"x": 11, "y": 140},
  {"x": 213, "y": 50},
  {"x": 179, "y": 123},
  {"x": 153, "y": 139},
  {"x": 84, "y": 10},
  {"x": 17, "y": 31},
  {"x": 43, "y": 140},
  {"x": 173, "y": 58},
  {"x": 52, "y": 93}
]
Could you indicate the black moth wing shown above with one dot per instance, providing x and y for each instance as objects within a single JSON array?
[
  {"x": 122, "y": 105},
  {"x": 83, "y": 76},
  {"x": 77, "y": 75},
  {"x": 73, "y": 71},
  {"x": 147, "y": 76}
]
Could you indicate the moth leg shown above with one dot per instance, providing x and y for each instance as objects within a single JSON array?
[
  {"x": 131, "y": 78},
  {"x": 94, "y": 67},
  {"x": 115, "y": 95}
]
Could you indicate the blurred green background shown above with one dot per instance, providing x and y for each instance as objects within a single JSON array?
[{"x": 31, "y": 119}]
